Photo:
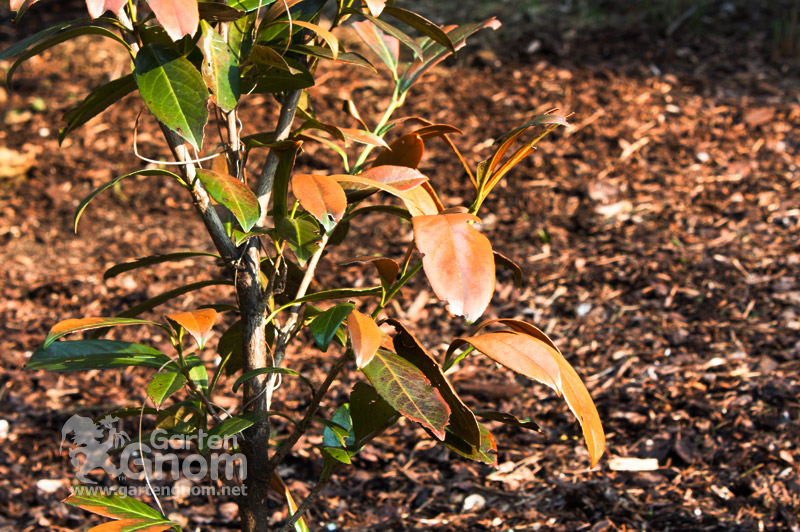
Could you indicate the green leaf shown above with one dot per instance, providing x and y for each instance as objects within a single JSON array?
[
  {"x": 24, "y": 44},
  {"x": 261, "y": 371},
  {"x": 370, "y": 413},
  {"x": 95, "y": 103},
  {"x": 65, "y": 327},
  {"x": 301, "y": 235},
  {"x": 273, "y": 81},
  {"x": 325, "y": 53},
  {"x": 173, "y": 90},
  {"x": 230, "y": 348},
  {"x": 233, "y": 194},
  {"x": 220, "y": 68},
  {"x": 198, "y": 373},
  {"x": 336, "y": 435},
  {"x": 325, "y": 325},
  {"x": 154, "y": 259},
  {"x": 160, "y": 299},
  {"x": 336, "y": 293},
  {"x": 163, "y": 385},
  {"x": 421, "y": 24},
  {"x": 76, "y": 355},
  {"x": 58, "y": 39},
  {"x": 215, "y": 12},
  {"x": 241, "y": 34},
  {"x": 280, "y": 189},
  {"x": 508, "y": 419},
  {"x": 408, "y": 391},
  {"x": 103, "y": 188},
  {"x": 235, "y": 425},
  {"x": 250, "y": 5}
]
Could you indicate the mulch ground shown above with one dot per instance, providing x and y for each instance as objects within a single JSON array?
[{"x": 659, "y": 241}]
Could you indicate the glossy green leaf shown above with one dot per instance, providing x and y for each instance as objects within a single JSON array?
[
  {"x": 264, "y": 55},
  {"x": 508, "y": 419},
  {"x": 220, "y": 68},
  {"x": 216, "y": 12},
  {"x": 278, "y": 80},
  {"x": 69, "y": 326},
  {"x": 49, "y": 42},
  {"x": 163, "y": 385},
  {"x": 250, "y": 5},
  {"x": 85, "y": 203},
  {"x": 173, "y": 90},
  {"x": 160, "y": 299},
  {"x": 233, "y": 194},
  {"x": 336, "y": 435},
  {"x": 241, "y": 34},
  {"x": 95, "y": 103},
  {"x": 280, "y": 188},
  {"x": 198, "y": 373},
  {"x": 24, "y": 44},
  {"x": 229, "y": 348},
  {"x": 154, "y": 259},
  {"x": 422, "y": 25},
  {"x": 370, "y": 413},
  {"x": 76, "y": 355},
  {"x": 325, "y": 325},
  {"x": 235, "y": 425},
  {"x": 301, "y": 235},
  {"x": 408, "y": 391}
]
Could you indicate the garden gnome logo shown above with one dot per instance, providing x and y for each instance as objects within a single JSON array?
[{"x": 88, "y": 438}]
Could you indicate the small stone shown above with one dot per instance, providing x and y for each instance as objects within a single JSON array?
[
  {"x": 583, "y": 309},
  {"x": 703, "y": 157},
  {"x": 474, "y": 503},
  {"x": 4, "y": 428},
  {"x": 228, "y": 510},
  {"x": 49, "y": 485},
  {"x": 182, "y": 488}
]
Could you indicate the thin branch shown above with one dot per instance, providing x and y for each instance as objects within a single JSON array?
[
  {"x": 201, "y": 199},
  {"x": 267, "y": 177},
  {"x": 308, "y": 501},
  {"x": 302, "y": 426}
]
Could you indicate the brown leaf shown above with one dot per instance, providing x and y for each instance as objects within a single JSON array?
[
  {"x": 388, "y": 269},
  {"x": 462, "y": 420},
  {"x": 279, "y": 487},
  {"x": 198, "y": 323},
  {"x": 322, "y": 196},
  {"x": 404, "y": 151},
  {"x": 458, "y": 261},
  {"x": 365, "y": 335},
  {"x": 575, "y": 392}
]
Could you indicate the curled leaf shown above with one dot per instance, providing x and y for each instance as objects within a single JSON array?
[
  {"x": 365, "y": 336},
  {"x": 178, "y": 17},
  {"x": 322, "y": 196}
]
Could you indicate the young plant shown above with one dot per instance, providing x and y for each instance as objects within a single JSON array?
[{"x": 191, "y": 60}]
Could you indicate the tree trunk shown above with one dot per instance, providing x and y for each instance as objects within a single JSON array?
[{"x": 253, "y": 508}]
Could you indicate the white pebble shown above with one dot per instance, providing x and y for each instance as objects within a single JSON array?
[
  {"x": 473, "y": 502},
  {"x": 49, "y": 485},
  {"x": 4, "y": 426}
]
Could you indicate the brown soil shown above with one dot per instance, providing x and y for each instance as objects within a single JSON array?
[{"x": 659, "y": 241}]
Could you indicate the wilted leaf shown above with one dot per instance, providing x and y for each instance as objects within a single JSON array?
[
  {"x": 396, "y": 180},
  {"x": 278, "y": 486},
  {"x": 388, "y": 269},
  {"x": 502, "y": 260},
  {"x": 375, "y": 6},
  {"x": 458, "y": 262},
  {"x": 408, "y": 391},
  {"x": 198, "y": 323},
  {"x": 233, "y": 194},
  {"x": 423, "y": 200},
  {"x": 365, "y": 335},
  {"x": 178, "y": 17},
  {"x": 526, "y": 350},
  {"x": 322, "y": 196},
  {"x": 462, "y": 420},
  {"x": 363, "y": 137},
  {"x": 220, "y": 69}
]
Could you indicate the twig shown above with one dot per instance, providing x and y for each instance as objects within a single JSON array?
[
  {"x": 302, "y": 426},
  {"x": 201, "y": 199},
  {"x": 308, "y": 501},
  {"x": 267, "y": 177}
]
